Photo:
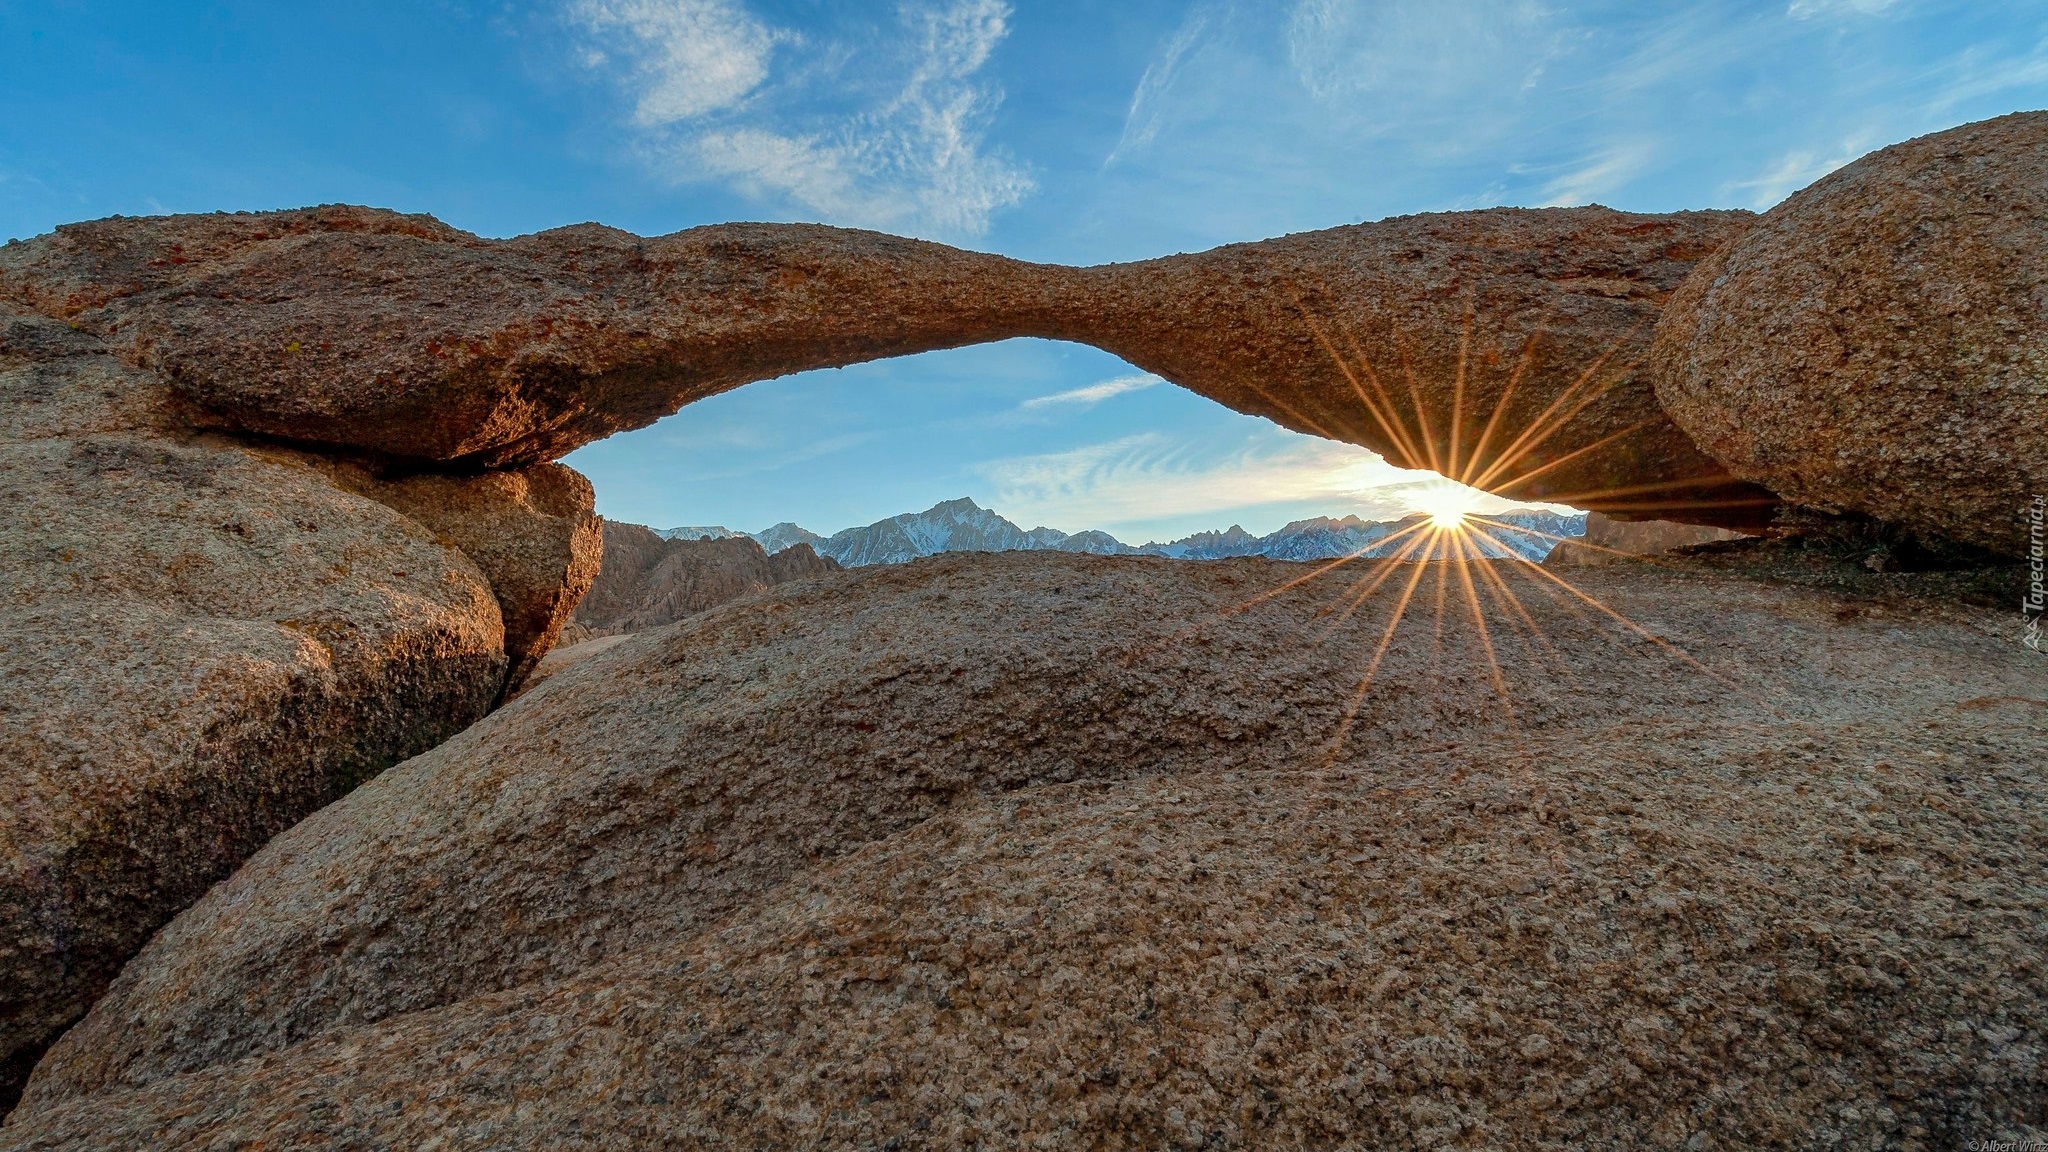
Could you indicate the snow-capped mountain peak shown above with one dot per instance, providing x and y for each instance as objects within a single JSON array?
[{"x": 963, "y": 526}]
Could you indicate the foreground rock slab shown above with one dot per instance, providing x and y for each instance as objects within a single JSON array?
[
  {"x": 1049, "y": 849},
  {"x": 1878, "y": 344},
  {"x": 1500, "y": 347},
  {"x": 204, "y": 639},
  {"x": 156, "y": 737}
]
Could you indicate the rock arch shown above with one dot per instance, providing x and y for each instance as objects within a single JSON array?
[
  {"x": 278, "y": 506},
  {"x": 1500, "y": 347}
]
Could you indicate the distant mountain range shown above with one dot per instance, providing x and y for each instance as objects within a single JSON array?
[{"x": 964, "y": 526}]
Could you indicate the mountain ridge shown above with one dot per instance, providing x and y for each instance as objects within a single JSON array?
[{"x": 961, "y": 525}]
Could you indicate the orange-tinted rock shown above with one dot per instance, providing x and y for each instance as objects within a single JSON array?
[
  {"x": 1607, "y": 540},
  {"x": 1499, "y": 346},
  {"x": 402, "y": 336},
  {"x": 1043, "y": 850},
  {"x": 1878, "y": 343},
  {"x": 534, "y": 533},
  {"x": 201, "y": 643},
  {"x": 648, "y": 581},
  {"x": 203, "y": 640}
]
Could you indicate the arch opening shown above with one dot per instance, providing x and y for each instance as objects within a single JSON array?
[{"x": 1047, "y": 434}]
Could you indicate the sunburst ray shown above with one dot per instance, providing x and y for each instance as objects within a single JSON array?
[
  {"x": 1379, "y": 654},
  {"x": 1550, "y": 421},
  {"x": 1388, "y": 567},
  {"x": 1462, "y": 562},
  {"x": 1386, "y": 417}
]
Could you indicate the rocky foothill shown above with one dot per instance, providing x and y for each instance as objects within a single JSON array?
[
  {"x": 647, "y": 581},
  {"x": 306, "y": 842},
  {"x": 1608, "y": 541}
]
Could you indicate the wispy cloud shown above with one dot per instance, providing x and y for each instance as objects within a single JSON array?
[
  {"x": 1795, "y": 170},
  {"x": 1257, "y": 119},
  {"x": 1974, "y": 74},
  {"x": 1809, "y": 9},
  {"x": 765, "y": 461},
  {"x": 1415, "y": 65},
  {"x": 687, "y": 57},
  {"x": 1093, "y": 394},
  {"x": 1141, "y": 119},
  {"x": 1600, "y": 174},
  {"x": 901, "y": 145}
]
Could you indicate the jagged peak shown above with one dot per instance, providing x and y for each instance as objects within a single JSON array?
[{"x": 963, "y": 523}]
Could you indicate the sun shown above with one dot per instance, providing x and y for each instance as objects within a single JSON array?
[{"x": 1445, "y": 505}]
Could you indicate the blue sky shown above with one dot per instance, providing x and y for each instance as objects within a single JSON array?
[{"x": 1078, "y": 132}]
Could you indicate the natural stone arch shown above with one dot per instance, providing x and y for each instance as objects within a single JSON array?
[
  {"x": 1499, "y": 347},
  {"x": 380, "y": 548}
]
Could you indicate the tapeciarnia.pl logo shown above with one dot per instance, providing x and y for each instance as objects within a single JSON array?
[{"x": 2037, "y": 560}]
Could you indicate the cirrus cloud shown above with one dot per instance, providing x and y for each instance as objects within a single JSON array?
[
  {"x": 687, "y": 57},
  {"x": 1090, "y": 395},
  {"x": 884, "y": 131}
]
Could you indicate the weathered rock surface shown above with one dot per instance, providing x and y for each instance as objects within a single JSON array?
[
  {"x": 405, "y": 337},
  {"x": 191, "y": 667},
  {"x": 1499, "y": 346},
  {"x": 1878, "y": 343},
  {"x": 648, "y": 581},
  {"x": 879, "y": 862},
  {"x": 203, "y": 640},
  {"x": 566, "y": 653},
  {"x": 534, "y": 532},
  {"x": 1607, "y": 540}
]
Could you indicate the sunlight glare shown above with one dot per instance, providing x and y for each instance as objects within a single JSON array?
[{"x": 1446, "y": 505}]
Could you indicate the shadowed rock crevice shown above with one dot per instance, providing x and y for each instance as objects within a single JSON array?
[{"x": 532, "y": 531}]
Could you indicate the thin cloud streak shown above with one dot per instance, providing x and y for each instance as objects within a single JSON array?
[
  {"x": 1424, "y": 53},
  {"x": 1810, "y": 9},
  {"x": 1599, "y": 175},
  {"x": 688, "y": 57},
  {"x": 774, "y": 461},
  {"x": 1093, "y": 394},
  {"x": 1334, "y": 110},
  {"x": 1141, "y": 119},
  {"x": 1796, "y": 170},
  {"x": 1971, "y": 77}
]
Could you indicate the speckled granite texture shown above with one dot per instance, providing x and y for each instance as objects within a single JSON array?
[
  {"x": 1498, "y": 346},
  {"x": 1879, "y": 342},
  {"x": 1043, "y": 850}
]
